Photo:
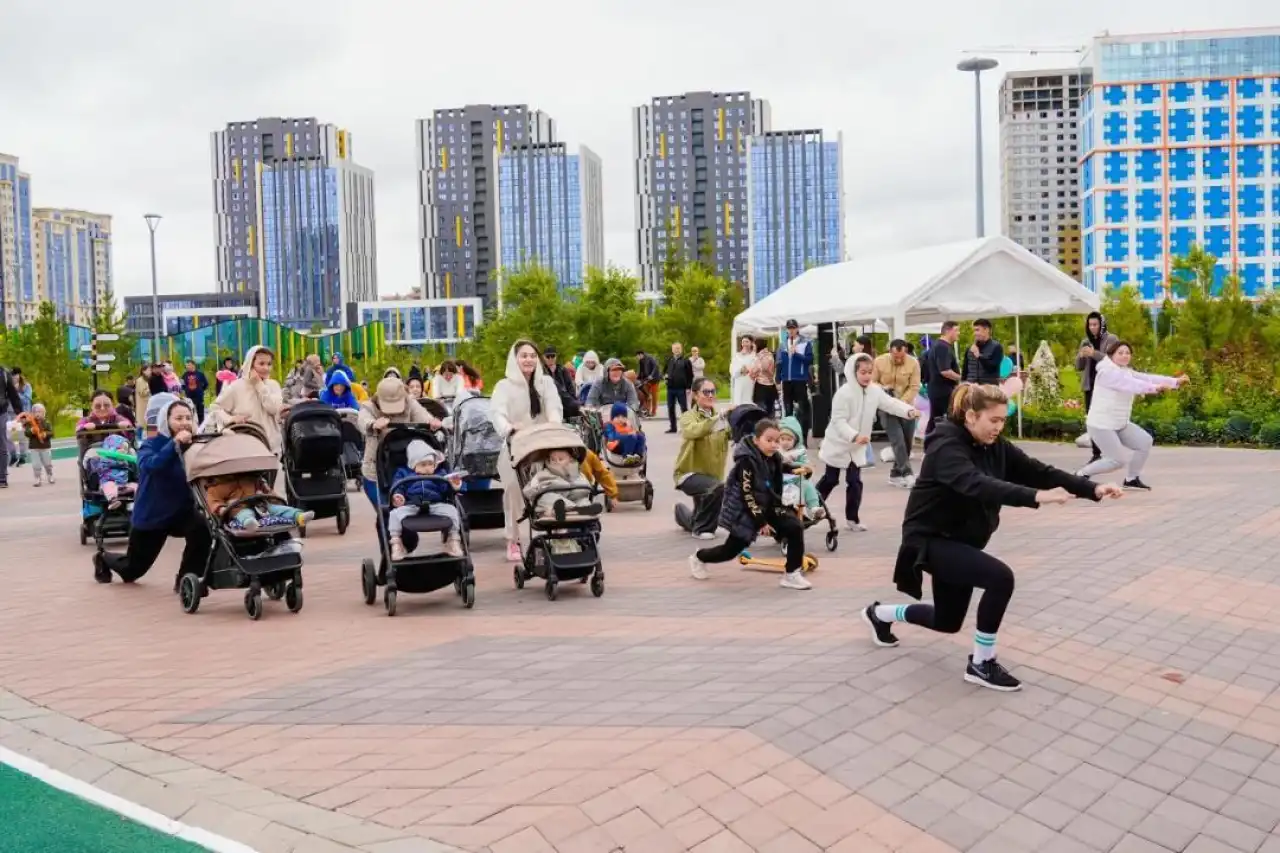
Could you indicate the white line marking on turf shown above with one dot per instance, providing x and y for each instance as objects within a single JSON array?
[{"x": 119, "y": 805}]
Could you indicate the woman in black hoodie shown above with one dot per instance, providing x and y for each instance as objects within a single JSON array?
[
  {"x": 969, "y": 473},
  {"x": 753, "y": 505}
]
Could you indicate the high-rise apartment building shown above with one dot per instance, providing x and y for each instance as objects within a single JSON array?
[
  {"x": 72, "y": 262},
  {"x": 1039, "y": 160},
  {"x": 293, "y": 219},
  {"x": 691, "y": 180},
  {"x": 795, "y": 207},
  {"x": 550, "y": 210},
  {"x": 1181, "y": 146},
  {"x": 457, "y": 192},
  {"x": 18, "y": 301}
]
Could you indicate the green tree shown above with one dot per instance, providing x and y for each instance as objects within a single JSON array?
[
  {"x": 1129, "y": 319},
  {"x": 533, "y": 307},
  {"x": 1214, "y": 320},
  {"x": 698, "y": 310},
  {"x": 40, "y": 349},
  {"x": 608, "y": 317}
]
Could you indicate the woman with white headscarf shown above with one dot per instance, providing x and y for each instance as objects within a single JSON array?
[
  {"x": 740, "y": 369},
  {"x": 254, "y": 398}
]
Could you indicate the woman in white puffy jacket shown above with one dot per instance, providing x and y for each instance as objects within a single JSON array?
[
  {"x": 526, "y": 395},
  {"x": 847, "y": 444}
]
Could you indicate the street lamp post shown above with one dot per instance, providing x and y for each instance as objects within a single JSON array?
[
  {"x": 153, "y": 221},
  {"x": 977, "y": 65}
]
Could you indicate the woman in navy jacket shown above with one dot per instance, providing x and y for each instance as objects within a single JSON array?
[{"x": 163, "y": 506}]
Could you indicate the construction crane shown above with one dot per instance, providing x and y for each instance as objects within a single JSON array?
[{"x": 1030, "y": 51}]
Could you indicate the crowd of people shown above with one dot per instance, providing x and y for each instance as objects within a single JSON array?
[{"x": 771, "y": 488}]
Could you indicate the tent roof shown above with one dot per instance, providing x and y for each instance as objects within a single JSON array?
[{"x": 989, "y": 277}]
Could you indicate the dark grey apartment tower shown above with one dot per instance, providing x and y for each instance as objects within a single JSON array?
[
  {"x": 458, "y": 193},
  {"x": 691, "y": 180}
]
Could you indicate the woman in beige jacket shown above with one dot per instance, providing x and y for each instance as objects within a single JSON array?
[
  {"x": 254, "y": 398},
  {"x": 389, "y": 404}
]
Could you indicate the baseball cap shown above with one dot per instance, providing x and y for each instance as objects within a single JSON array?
[
  {"x": 391, "y": 396},
  {"x": 792, "y": 324},
  {"x": 549, "y": 351}
]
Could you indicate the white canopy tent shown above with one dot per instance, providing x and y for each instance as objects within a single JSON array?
[{"x": 917, "y": 290}]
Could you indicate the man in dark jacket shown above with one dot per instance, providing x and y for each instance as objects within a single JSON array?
[
  {"x": 941, "y": 372},
  {"x": 10, "y": 408},
  {"x": 678, "y": 373},
  {"x": 194, "y": 386},
  {"x": 982, "y": 359},
  {"x": 1093, "y": 349},
  {"x": 647, "y": 376},
  {"x": 564, "y": 382},
  {"x": 969, "y": 473}
]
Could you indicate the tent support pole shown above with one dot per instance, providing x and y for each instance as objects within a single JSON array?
[{"x": 1017, "y": 339}]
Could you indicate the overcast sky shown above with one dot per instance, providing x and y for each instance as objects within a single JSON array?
[{"x": 110, "y": 105}]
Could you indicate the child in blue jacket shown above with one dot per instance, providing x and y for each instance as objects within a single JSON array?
[{"x": 432, "y": 495}]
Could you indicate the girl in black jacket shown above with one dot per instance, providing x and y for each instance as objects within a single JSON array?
[
  {"x": 753, "y": 504},
  {"x": 969, "y": 473}
]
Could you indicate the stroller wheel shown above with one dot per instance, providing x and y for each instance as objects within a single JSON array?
[
  {"x": 253, "y": 604},
  {"x": 833, "y": 540},
  {"x": 84, "y": 535},
  {"x": 469, "y": 595},
  {"x": 276, "y": 591},
  {"x": 648, "y": 496},
  {"x": 551, "y": 591},
  {"x": 389, "y": 599},
  {"x": 293, "y": 598},
  {"x": 369, "y": 582},
  {"x": 344, "y": 519},
  {"x": 518, "y": 574},
  {"x": 189, "y": 593},
  {"x": 597, "y": 583}
]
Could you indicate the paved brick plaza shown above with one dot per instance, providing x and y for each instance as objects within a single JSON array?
[{"x": 671, "y": 715}]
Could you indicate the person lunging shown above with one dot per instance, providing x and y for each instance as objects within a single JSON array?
[
  {"x": 969, "y": 473},
  {"x": 753, "y": 505},
  {"x": 1108, "y": 422}
]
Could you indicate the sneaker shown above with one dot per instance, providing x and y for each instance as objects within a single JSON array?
[
  {"x": 100, "y": 571},
  {"x": 881, "y": 631},
  {"x": 910, "y": 480},
  {"x": 899, "y": 482},
  {"x": 4, "y": 485},
  {"x": 992, "y": 675},
  {"x": 513, "y": 553},
  {"x": 397, "y": 550},
  {"x": 704, "y": 536},
  {"x": 1136, "y": 484},
  {"x": 305, "y": 518},
  {"x": 856, "y": 527},
  {"x": 453, "y": 547},
  {"x": 696, "y": 568},
  {"x": 37, "y": 484},
  {"x": 50, "y": 479},
  {"x": 795, "y": 580}
]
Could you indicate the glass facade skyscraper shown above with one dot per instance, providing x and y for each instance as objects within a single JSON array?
[
  {"x": 17, "y": 279},
  {"x": 72, "y": 262},
  {"x": 1181, "y": 146},
  {"x": 300, "y": 266},
  {"x": 795, "y": 207},
  {"x": 550, "y": 210}
]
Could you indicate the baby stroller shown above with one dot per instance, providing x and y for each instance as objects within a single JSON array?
[
  {"x": 315, "y": 478},
  {"x": 352, "y": 452},
  {"x": 557, "y": 549},
  {"x": 98, "y": 520},
  {"x": 631, "y": 476},
  {"x": 417, "y": 573},
  {"x": 264, "y": 559},
  {"x": 474, "y": 446}
]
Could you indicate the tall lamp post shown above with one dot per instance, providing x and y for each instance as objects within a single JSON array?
[
  {"x": 153, "y": 221},
  {"x": 977, "y": 65}
]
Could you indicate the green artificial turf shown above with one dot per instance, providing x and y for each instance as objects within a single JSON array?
[{"x": 38, "y": 818}]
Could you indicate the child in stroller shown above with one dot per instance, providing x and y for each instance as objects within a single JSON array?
[
  {"x": 220, "y": 492},
  {"x": 113, "y": 465},
  {"x": 423, "y": 460},
  {"x": 622, "y": 439},
  {"x": 797, "y": 492},
  {"x": 559, "y": 488}
]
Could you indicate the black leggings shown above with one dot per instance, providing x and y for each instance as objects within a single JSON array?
[
  {"x": 787, "y": 527},
  {"x": 145, "y": 547},
  {"x": 956, "y": 569},
  {"x": 766, "y": 397},
  {"x": 852, "y": 487}
]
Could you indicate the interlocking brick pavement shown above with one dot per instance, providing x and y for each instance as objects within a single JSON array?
[{"x": 673, "y": 715}]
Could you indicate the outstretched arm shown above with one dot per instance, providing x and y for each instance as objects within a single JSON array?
[{"x": 1028, "y": 471}]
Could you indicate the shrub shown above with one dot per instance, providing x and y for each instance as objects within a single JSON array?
[
  {"x": 1269, "y": 435},
  {"x": 1238, "y": 428}
]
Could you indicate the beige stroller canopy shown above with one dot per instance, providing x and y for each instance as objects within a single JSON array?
[
  {"x": 238, "y": 449},
  {"x": 530, "y": 443}
]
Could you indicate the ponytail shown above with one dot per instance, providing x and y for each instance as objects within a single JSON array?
[{"x": 974, "y": 398}]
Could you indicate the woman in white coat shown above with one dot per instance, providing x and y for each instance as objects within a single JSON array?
[
  {"x": 740, "y": 368},
  {"x": 525, "y": 396},
  {"x": 254, "y": 398},
  {"x": 847, "y": 444}
]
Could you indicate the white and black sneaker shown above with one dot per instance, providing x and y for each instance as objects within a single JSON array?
[
  {"x": 992, "y": 675},
  {"x": 1135, "y": 485},
  {"x": 881, "y": 633}
]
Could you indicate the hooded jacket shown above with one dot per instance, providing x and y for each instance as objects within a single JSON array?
[
  {"x": 853, "y": 413},
  {"x": 424, "y": 491},
  {"x": 194, "y": 384},
  {"x": 510, "y": 406},
  {"x": 605, "y": 392},
  {"x": 753, "y": 492},
  {"x": 341, "y": 365},
  {"x": 588, "y": 375},
  {"x": 960, "y": 490},
  {"x": 259, "y": 401},
  {"x": 1101, "y": 343},
  {"x": 163, "y": 500},
  {"x": 343, "y": 399}
]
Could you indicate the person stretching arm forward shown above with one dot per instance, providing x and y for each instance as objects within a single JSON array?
[{"x": 969, "y": 473}]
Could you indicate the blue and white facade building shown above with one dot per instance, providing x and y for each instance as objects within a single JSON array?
[
  {"x": 550, "y": 210},
  {"x": 72, "y": 262},
  {"x": 1180, "y": 145},
  {"x": 18, "y": 302},
  {"x": 421, "y": 322},
  {"x": 795, "y": 207}
]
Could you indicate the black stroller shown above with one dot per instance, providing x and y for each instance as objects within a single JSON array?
[
  {"x": 474, "y": 446},
  {"x": 416, "y": 573},
  {"x": 264, "y": 559},
  {"x": 352, "y": 452},
  {"x": 314, "y": 475},
  {"x": 99, "y": 520},
  {"x": 566, "y": 546}
]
